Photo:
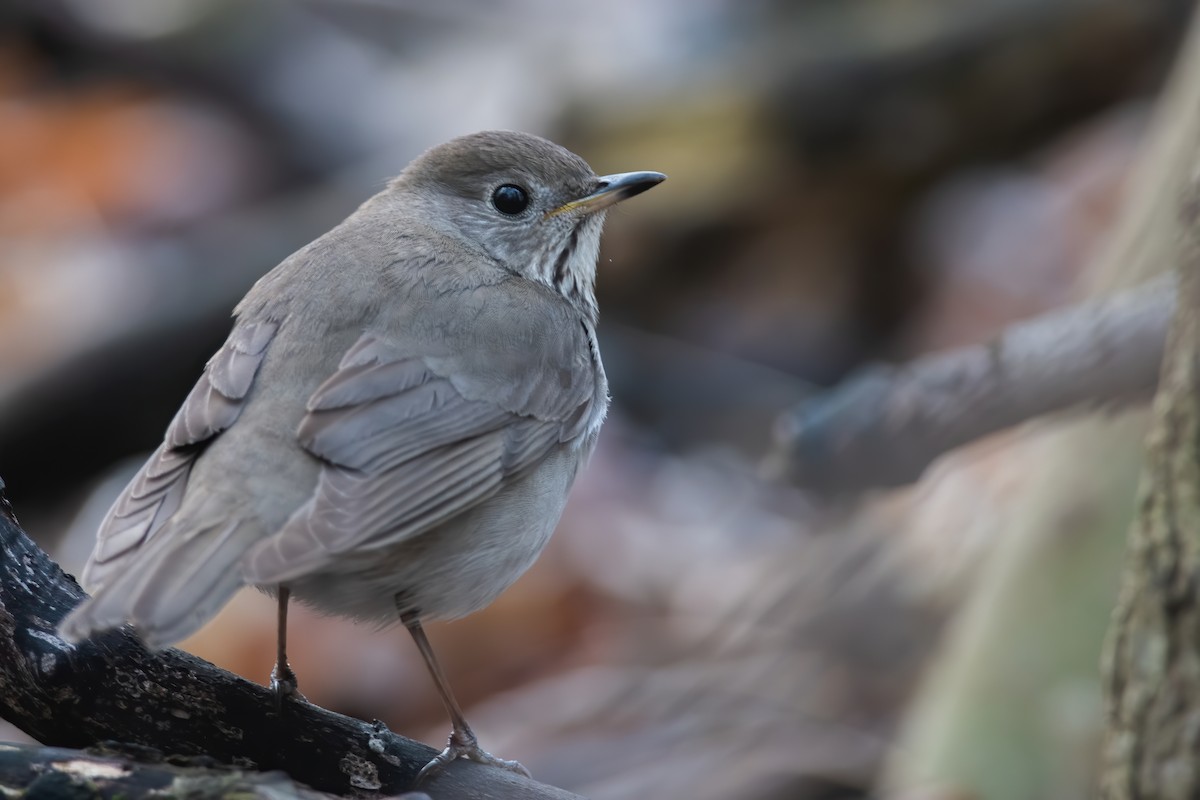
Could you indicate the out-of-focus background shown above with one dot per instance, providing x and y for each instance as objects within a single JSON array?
[{"x": 850, "y": 181}]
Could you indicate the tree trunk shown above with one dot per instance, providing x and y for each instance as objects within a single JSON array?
[
  {"x": 1006, "y": 709},
  {"x": 1152, "y": 658}
]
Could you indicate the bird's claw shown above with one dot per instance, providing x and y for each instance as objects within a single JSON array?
[
  {"x": 284, "y": 685},
  {"x": 465, "y": 745}
]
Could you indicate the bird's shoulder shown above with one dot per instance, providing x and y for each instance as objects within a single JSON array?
[
  {"x": 502, "y": 340},
  {"x": 417, "y": 293}
]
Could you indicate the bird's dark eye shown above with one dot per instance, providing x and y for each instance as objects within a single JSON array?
[{"x": 510, "y": 199}]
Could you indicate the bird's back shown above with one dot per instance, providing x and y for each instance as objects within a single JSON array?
[{"x": 239, "y": 470}]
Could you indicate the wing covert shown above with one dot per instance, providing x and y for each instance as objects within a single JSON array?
[
  {"x": 405, "y": 449},
  {"x": 156, "y": 491}
]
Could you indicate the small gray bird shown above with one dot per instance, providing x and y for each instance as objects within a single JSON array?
[{"x": 391, "y": 429}]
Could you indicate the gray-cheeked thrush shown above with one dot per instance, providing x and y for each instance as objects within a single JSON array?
[{"x": 392, "y": 427}]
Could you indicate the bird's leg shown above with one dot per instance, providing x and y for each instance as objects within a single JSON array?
[
  {"x": 462, "y": 743},
  {"x": 283, "y": 680}
]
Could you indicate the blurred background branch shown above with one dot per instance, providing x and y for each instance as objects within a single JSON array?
[{"x": 884, "y": 426}]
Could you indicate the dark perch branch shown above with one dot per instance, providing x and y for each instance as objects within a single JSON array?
[
  {"x": 55, "y": 772},
  {"x": 110, "y": 688},
  {"x": 884, "y": 426}
]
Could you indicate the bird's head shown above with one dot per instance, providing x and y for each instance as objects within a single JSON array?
[{"x": 529, "y": 204}]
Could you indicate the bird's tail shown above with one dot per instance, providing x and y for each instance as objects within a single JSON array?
[{"x": 171, "y": 586}]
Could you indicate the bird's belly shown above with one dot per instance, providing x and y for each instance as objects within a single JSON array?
[{"x": 456, "y": 568}]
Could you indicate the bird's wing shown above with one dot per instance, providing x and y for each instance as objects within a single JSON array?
[
  {"x": 157, "y": 490},
  {"x": 410, "y": 442}
]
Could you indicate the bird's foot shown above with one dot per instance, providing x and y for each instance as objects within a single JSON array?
[
  {"x": 284, "y": 685},
  {"x": 463, "y": 744}
]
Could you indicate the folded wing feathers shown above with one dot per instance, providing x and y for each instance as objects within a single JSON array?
[
  {"x": 406, "y": 451},
  {"x": 388, "y": 502},
  {"x": 379, "y": 435},
  {"x": 334, "y": 522},
  {"x": 152, "y": 496},
  {"x": 157, "y": 490},
  {"x": 360, "y": 382}
]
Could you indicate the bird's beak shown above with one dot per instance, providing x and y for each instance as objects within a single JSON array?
[{"x": 611, "y": 189}]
